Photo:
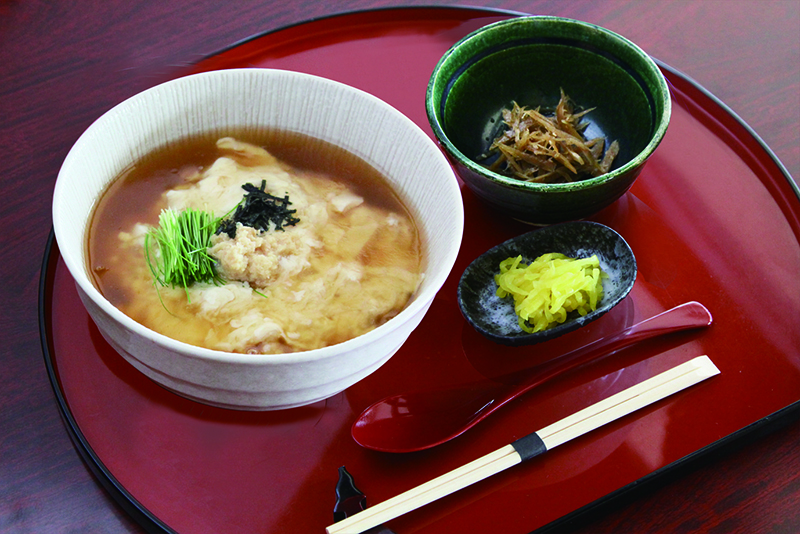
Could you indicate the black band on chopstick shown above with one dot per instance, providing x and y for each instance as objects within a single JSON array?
[{"x": 529, "y": 446}]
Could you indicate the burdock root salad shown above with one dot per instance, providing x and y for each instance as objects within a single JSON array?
[{"x": 549, "y": 148}]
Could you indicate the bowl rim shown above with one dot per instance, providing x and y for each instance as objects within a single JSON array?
[
  {"x": 419, "y": 303},
  {"x": 432, "y": 109}
]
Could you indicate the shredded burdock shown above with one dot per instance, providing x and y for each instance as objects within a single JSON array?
[{"x": 549, "y": 149}]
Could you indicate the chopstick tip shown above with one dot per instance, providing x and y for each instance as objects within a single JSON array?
[{"x": 704, "y": 367}]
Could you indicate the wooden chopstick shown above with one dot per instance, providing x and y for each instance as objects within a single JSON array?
[{"x": 577, "y": 424}]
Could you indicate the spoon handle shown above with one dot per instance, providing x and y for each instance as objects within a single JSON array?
[{"x": 682, "y": 317}]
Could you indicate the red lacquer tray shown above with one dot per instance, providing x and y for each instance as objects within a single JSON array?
[{"x": 713, "y": 218}]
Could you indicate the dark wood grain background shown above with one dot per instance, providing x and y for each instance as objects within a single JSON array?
[{"x": 63, "y": 64}]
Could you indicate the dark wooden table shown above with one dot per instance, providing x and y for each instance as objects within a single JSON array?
[{"x": 63, "y": 64}]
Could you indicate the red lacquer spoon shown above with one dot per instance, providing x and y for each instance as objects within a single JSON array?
[{"x": 422, "y": 419}]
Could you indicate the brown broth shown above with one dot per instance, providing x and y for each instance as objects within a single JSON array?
[{"x": 137, "y": 196}]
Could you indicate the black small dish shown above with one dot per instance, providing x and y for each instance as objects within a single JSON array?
[{"x": 495, "y": 317}]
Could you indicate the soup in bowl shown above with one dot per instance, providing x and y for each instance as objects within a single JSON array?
[{"x": 254, "y": 238}]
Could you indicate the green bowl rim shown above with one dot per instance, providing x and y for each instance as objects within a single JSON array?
[{"x": 641, "y": 157}]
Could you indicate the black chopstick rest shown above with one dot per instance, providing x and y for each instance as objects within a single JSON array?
[
  {"x": 529, "y": 446},
  {"x": 349, "y": 499}
]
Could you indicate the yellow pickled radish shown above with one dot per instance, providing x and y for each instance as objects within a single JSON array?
[{"x": 550, "y": 288}]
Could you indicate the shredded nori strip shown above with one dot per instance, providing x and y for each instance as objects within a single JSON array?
[{"x": 258, "y": 209}]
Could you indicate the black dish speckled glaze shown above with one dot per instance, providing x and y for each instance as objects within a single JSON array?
[{"x": 495, "y": 318}]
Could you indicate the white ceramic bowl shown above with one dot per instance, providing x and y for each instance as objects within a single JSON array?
[{"x": 232, "y": 99}]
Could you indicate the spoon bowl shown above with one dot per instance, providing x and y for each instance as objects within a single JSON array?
[
  {"x": 495, "y": 317},
  {"x": 420, "y": 420}
]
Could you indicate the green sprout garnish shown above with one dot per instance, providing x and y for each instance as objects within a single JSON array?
[{"x": 176, "y": 251}]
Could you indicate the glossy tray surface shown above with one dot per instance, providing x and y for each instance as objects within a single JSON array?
[{"x": 712, "y": 218}]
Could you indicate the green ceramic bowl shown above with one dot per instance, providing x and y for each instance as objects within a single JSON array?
[{"x": 528, "y": 60}]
